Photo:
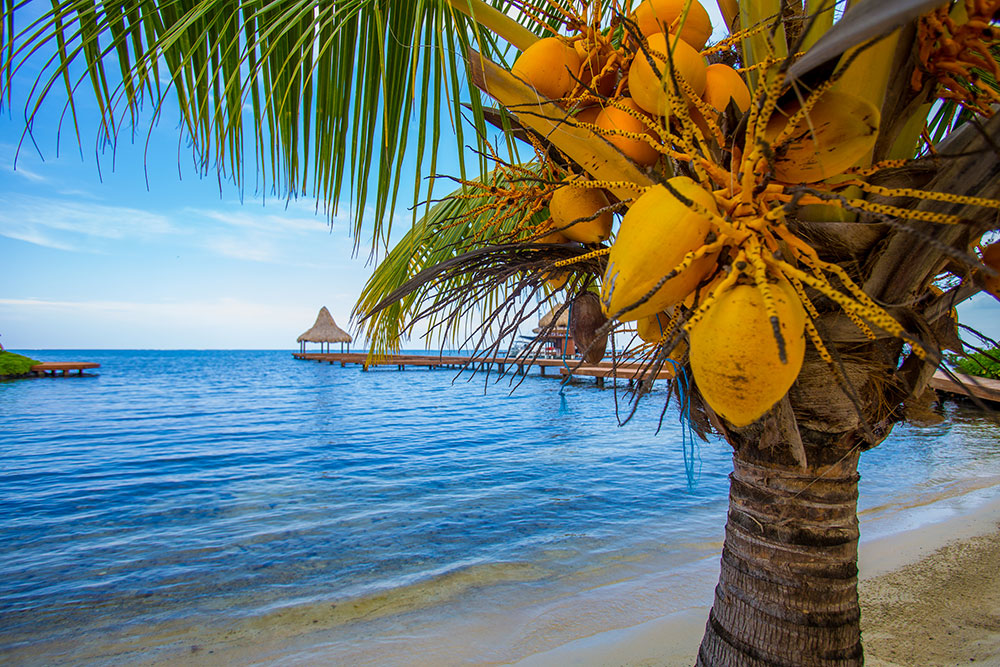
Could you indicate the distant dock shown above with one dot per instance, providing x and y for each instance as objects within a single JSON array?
[
  {"x": 401, "y": 361},
  {"x": 982, "y": 388},
  {"x": 601, "y": 371},
  {"x": 64, "y": 367}
]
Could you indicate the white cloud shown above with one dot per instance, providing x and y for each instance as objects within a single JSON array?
[
  {"x": 293, "y": 234},
  {"x": 84, "y": 194},
  {"x": 36, "y": 237},
  {"x": 253, "y": 249},
  {"x": 32, "y": 176},
  {"x": 21, "y": 162},
  {"x": 64, "y": 224},
  {"x": 297, "y": 216},
  {"x": 260, "y": 220},
  {"x": 221, "y": 309}
]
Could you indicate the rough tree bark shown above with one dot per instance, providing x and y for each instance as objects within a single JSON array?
[
  {"x": 788, "y": 581},
  {"x": 787, "y": 592}
]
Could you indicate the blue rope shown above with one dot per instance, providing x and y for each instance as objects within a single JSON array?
[
  {"x": 689, "y": 443},
  {"x": 562, "y": 385}
]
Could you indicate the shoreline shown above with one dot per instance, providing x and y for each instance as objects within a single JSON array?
[
  {"x": 947, "y": 541},
  {"x": 928, "y": 562},
  {"x": 929, "y": 596}
]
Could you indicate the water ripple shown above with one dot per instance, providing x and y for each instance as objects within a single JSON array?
[{"x": 187, "y": 485}]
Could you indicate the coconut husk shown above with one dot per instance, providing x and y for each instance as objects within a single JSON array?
[
  {"x": 919, "y": 410},
  {"x": 822, "y": 404},
  {"x": 585, "y": 320}
]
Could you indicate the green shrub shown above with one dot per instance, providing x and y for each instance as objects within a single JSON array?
[
  {"x": 978, "y": 364},
  {"x": 15, "y": 364}
]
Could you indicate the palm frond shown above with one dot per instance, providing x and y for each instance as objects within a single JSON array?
[
  {"x": 444, "y": 233},
  {"x": 331, "y": 95},
  {"x": 862, "y": 22}
]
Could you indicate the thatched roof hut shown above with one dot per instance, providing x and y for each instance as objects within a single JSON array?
[
  {"x": 325, "y": 330},
  {"x": 546, "y": 320},
  {"x": 555, "y": 341}
]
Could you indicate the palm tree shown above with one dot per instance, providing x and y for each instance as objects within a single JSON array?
[{"x": 851, "y": 274}]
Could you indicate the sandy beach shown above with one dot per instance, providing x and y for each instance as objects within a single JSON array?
[
  {"x": 942, "y": 610},
  {"x": 930, "y": 597}
]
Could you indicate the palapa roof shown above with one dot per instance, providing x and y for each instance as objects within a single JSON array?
[
  {"x": 325, "y": 330},
  {"x": 546, "y": 320}
]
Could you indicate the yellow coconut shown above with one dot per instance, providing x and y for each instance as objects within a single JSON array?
[
  {"x": 664, "y": 16},
  {"x": 652, "y": 327},
  {"x": 654, "y": 237},
  {"x": 550, "y": 66},
  {"x": 556, "y": 280},
  {"x": 648, "y": 87},
  {"x": 991, "y": 258},
  {"x": 588, "y": 115},
  {"x": 553, "y": 237},
  {"x": 614, "y": 119},
  {"x": 735, "y": 356},
  {"x": 722, "y": 84},
  {"x": 840, "y": 130},
  {"x": 576, "y": 213}
]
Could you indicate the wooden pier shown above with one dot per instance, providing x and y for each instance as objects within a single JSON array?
[
  {"x": 984, "y": 389},
  {"x": 601, "y": 371},
  {"x": 64, "y": 367},
  {"x": 431, "y": 361}
]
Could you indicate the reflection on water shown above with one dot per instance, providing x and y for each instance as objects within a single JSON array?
[{"x": 241, "y": 495}]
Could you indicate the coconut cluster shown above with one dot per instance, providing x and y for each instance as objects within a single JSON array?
[
  {"x": 702, "y": 262},
  {"x": 621, "y": 92}
]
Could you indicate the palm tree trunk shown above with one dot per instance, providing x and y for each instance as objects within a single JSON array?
[{"x": 787, "y": 592}]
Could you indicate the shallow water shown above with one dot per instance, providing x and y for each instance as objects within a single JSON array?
[{"x": 183, "y": 497}]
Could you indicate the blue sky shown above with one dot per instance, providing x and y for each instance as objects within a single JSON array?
[
  {"x": 92, "y": 263},
  {"x": 103, "y": 261},
  {"x": 95, "y": 258}
]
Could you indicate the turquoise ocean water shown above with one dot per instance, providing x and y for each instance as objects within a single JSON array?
[{"x": 183, "y": 502}]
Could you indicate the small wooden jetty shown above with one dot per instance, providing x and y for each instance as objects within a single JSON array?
[
  {"x": 605, "y": 370},
  {"x": 600, "y": 371},
  {"x": 984, "y": 389},
  {"x": 431, "y": 361},
  {"x": 64, "y": 367}
]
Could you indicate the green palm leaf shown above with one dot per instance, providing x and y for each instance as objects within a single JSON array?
[
  {"x": 330, "y": 94},
  {"x": 443, "y": 234}
]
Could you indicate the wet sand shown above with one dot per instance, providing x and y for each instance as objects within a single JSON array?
[{"x": 930, "y": 597}]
